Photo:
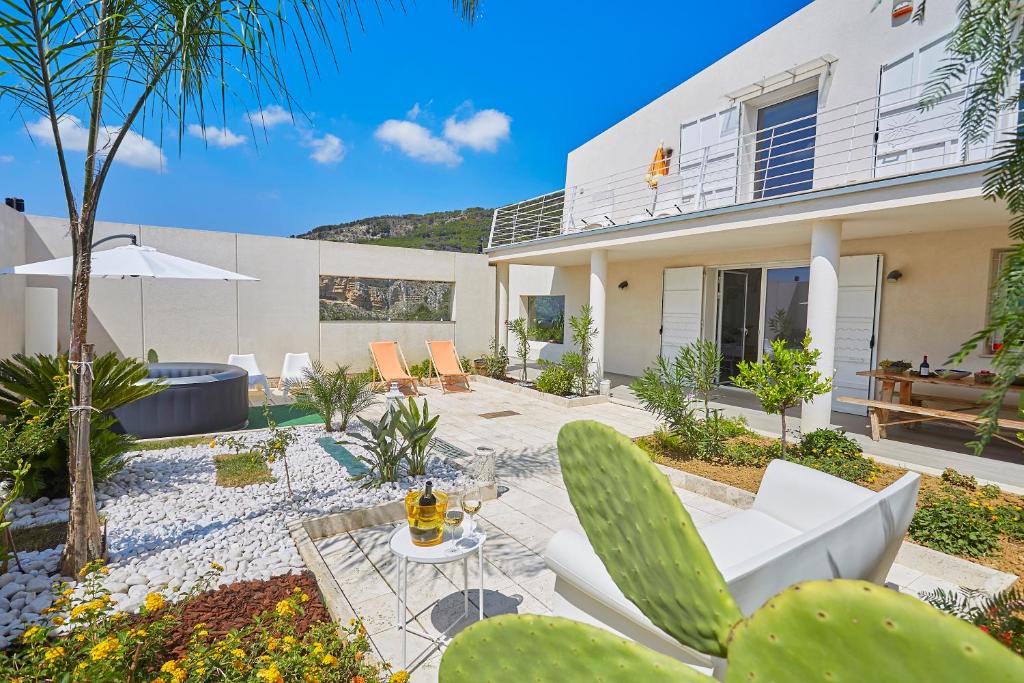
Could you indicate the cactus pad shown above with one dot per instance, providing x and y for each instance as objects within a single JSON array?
[
  {"x": 645, "y": 537},
  {"x": 854, "y": 631},
  {"x": 528, "y": 648}
]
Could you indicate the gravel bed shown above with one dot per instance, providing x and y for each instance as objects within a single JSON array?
[{"x": 167, "y": 521}]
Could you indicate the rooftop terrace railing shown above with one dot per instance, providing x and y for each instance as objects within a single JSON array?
[{"x": 884, "y": 136}]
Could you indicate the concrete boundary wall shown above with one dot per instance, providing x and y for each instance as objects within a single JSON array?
[{"x": 207, "y": 320}]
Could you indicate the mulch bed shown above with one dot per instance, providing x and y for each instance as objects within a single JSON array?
[{"x": 233, "y": 606}]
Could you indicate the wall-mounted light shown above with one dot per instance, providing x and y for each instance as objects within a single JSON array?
[
  {"x": 894, "y": 276},
  {"x": 624, "y": 284}
]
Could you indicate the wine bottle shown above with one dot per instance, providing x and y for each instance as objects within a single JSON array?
[
  {"x": 925, "y": 369},
  {"x": 428, "y": 498}
]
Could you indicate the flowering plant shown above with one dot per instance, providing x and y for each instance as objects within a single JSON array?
[{"x": 87, "y": 640}]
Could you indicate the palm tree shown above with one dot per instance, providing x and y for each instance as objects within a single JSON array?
[{"x": 104, "y": 67}]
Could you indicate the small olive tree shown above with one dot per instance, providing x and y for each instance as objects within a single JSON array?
[
  {"x": 784, "y": 378},
  {"x": 518, "y": 329}
]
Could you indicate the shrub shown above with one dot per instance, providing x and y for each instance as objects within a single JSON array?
[
  {"x": 583, "y": 332},
  {"x": 750, "y": 451},
  {"x": 1001, "y": 615},
  {"x": 784, "y": 378},
  {"x": 355, "y": 395},
  {"x": 963, "y": 481},
  {"x": 329, "y": 391},
  {"x": 422, "y": 370},
  {"x": 496, "y": 362},
  {"x": 518, "y": 329},
  {"x": 833, "y": 452},
  {"x": 664, "y": 391},
  {"x": 384, "y": 448},
  {"x": 105, "y": 645},
  {"x": 33, "y": 381},
  {"x": 556, "y": 379},
  {"x": 417, "y": 429},
  {"x": 953, "y": 522}
]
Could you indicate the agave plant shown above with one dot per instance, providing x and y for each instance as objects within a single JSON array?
[
  {"x": 386, "y": 450},
  {"x": 34, "y": 381},
  {"x": 417, "y": 429},
  {"x": 814, "y": 632}
]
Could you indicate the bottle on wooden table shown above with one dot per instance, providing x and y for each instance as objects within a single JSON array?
[{"x": 925, "y": 370}]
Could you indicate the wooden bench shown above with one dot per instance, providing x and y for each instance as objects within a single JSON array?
[{"x": 878, "y": 415}]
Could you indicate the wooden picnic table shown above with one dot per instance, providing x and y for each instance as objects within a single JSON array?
[{"x": 900, "y": 386}]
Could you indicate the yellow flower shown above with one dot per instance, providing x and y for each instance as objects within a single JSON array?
[
  {"x": 285, "y": 608},
  {"x": 213, "y": 443},
  {"x": 216, "y": 566},
  {"x": 80, "y": 637},
  {"x": 400, "y": 676},
  {"x": 290, "y": 640},
  {"x": 57, "y": 621},
  {"x": 155, "y": 601},
  {"x": 318, "y": 648},
  {"x": 272, "y": 644},
  {"x": 238, "y": 652},
  {"x": 53, "y": 653},
  {"x": 329, "y": 660},
  {"x": 270, "y": 674},
  {"x": 31, "y": 632},
  {"x": 103, "y": 649},
  {"x": 973, "y": 504}
]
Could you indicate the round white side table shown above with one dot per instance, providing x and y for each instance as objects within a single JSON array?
[{"x": 448, "y": 551}]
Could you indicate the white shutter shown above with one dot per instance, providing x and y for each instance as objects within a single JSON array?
[
  {"x": 707, "y": 160},
  {"x": 855, "y": 329},
  {"x": 682, "y": 302}
]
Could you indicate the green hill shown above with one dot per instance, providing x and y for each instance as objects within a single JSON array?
[{"x": 464, "y": 230}]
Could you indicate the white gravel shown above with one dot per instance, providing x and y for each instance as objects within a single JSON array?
[{"x": 167, "y": 520}]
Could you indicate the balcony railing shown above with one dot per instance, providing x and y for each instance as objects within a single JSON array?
[{"x": 881, "y": 137}]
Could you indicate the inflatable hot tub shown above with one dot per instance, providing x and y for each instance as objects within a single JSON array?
[{"x": 200, "y": 398}]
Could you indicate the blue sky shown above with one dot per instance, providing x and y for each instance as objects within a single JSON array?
[{"x": 424, "y": 114}]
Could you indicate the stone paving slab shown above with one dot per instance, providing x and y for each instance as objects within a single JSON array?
[{"x": 532, "y": 507}]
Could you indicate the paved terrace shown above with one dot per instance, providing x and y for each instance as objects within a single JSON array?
[{"x": 518, "y": 524}]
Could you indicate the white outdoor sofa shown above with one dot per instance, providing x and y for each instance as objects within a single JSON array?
[{"x": 803, "y": 525}]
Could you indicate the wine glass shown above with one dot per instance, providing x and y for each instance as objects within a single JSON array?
[{"x": 470, "y": 500}]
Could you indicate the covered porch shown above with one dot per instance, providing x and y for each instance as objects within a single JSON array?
[{"x": 894, "y": 273}]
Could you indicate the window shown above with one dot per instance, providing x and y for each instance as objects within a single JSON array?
[
  {"x": 545, "y": 318},
  {"x": 784, "y": 161},
  {"x": 998, "y": 263},
  {"x": 359, "y": 298}
]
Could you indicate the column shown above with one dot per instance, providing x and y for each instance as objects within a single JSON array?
[
  {"x": 822, "y": 306},
  {"x": 501, "y": 332},
  {"x": 598, "y": 278}
]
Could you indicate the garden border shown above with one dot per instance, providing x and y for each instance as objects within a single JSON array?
[{"x": 561, "y": 401}]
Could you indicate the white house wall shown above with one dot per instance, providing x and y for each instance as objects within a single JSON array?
[
  {"x": 12, "y": 288},
  {"x": 205, "y": 321},
  {"x": 859, "y": 39},
  {"x": 940, "y": 301}
]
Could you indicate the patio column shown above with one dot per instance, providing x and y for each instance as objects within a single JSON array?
[
  {"x": 501, "y": 333},
  {"x": 822, "y": 306},
  {"x": 598, "y": 276}
]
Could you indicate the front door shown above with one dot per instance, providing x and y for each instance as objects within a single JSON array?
[{"x": 739, "y": 313}]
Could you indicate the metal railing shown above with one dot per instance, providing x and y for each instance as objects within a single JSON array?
[{"x": 881, "y": 137}]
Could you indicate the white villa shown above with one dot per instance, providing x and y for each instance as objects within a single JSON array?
[{"x": 804, "y": 188}]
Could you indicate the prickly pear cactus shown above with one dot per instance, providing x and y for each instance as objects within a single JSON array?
[
  {"x": 646, "y": 539},
  {"x": 519, "y": 648},
  {"x": 854, "y": 631}
]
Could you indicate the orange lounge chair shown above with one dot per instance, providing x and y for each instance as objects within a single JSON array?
[
  {"x": 391, "y": 366},
  {"x": 447, "y": 366}
]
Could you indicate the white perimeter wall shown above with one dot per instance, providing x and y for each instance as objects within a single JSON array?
[
  {"x": 939, "y": 303},
  {"x": 205, "y": 321},
  {"x": 13, "y": 228},
  {"x": 861, "y": 40}
]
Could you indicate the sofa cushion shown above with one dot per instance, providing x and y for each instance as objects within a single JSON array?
[{"x": 743, "y": 535}]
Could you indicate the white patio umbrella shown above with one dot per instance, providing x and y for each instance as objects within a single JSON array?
[{"x": 131, "y": 261}]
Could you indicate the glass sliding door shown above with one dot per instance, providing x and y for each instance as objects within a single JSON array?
[
  {"x": 784, "y": 146},
  {"x": 739, "y": 312},
  {"x": 785, "y": 305}
]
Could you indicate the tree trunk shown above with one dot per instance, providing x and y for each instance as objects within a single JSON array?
[
  {"x": 84, "y": 541},
  {"x": 783, "y": 432}
]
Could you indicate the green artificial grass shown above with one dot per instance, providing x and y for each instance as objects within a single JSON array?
[
  {"x": 284, "y": 415},
  {"x": 41, "y": 537},
  {"x": 241, "y": 469},
  {"x": 175, "y": 442}
]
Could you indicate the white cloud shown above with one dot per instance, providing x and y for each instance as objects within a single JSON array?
[
  {"x": 270, "y": 116},
  {"x": 218, "y": 137},
  {"x": 414, "y": 113},
  {"x": 482, "y": 131},
  {"x": 135, "y": 150},
  {"x": 6, "y": 158},
  {"x": 417, "y": 142},
  {"x": 327, "y": 149}
]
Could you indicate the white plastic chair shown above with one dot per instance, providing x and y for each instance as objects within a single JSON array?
[
  {"x": 294, "y": 366},
  {"x": 247, "y": 361}
]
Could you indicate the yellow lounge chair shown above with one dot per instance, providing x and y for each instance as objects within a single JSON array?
[
  {"x": 447, "y": 366},
  {"x": 391, "y": 366}
]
